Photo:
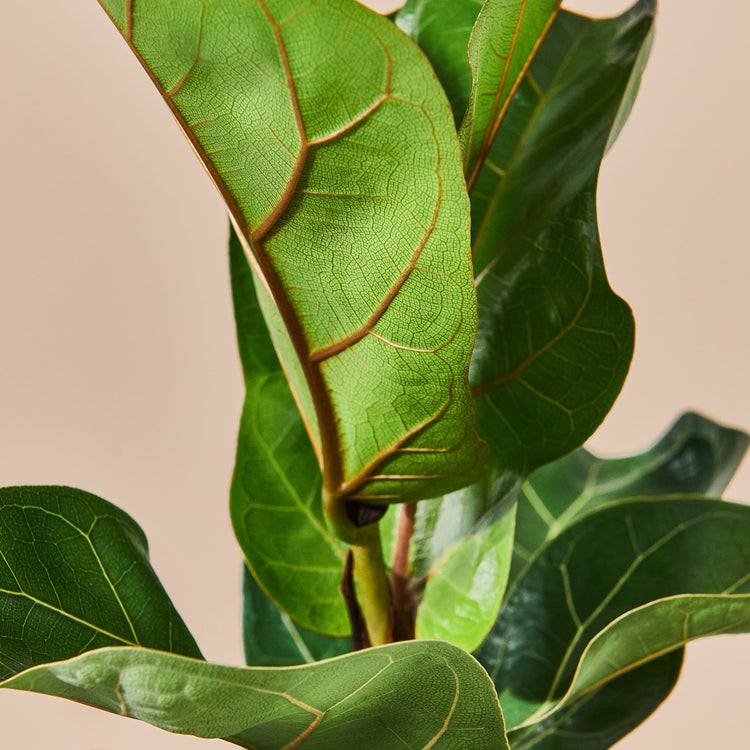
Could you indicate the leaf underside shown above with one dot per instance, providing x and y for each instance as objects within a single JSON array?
[
  {"x": 331, "y": 704},
  {"x": 359, "y": 240}
]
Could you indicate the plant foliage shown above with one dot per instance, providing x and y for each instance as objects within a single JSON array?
[{"x": 424, "y": 321}]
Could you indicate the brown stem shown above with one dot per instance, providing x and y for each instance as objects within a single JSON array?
[
  {"x": 403, "y": 599},
  {"x": 360, "y": 638}
]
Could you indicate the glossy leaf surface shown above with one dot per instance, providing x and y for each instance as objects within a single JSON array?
[
  {"x": 630, "y": 641},
  {"x": 442, "y": 29},
  {"x": 554, "y": 341},
  {"x": 503, "y": 42},
  {"x": 272, "y": 639},
  {"x": 75, "y": 576},
  {"x": 695, "y": 456},
  {"x": 359, "y": 239},
  {"x": 645, "y": 550},
  {"x": 276, "y": 488},
  {"x": 608, "y": 713},
  {"x": 333, "y": 704},
  {"x": 464, "y": 545}
]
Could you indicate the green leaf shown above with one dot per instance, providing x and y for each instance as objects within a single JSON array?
[
  {"x": 465, "y": 587},
  {"x": 276, "y": 489},
  {"x": 75, "y": 576},
  {"x": 273, "y": 639},
  {"x": 606, "y": 715},
  {"x": 306, "y": 115},
  {"x": 632, "y": 640},
  {"x": 372, "y": 694},
  {"x": 554, "y": 342},
  {"x": 442, "y": 29},
  {"x": 695, "y": 456},
  {"x": 503, "y": 42},
  {"x": 608, "y": 563}
]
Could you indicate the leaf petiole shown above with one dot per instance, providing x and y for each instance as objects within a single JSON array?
[{"x": 371, "y": 581}]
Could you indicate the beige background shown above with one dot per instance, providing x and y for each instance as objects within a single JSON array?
[{"x": 119, "y": 372}]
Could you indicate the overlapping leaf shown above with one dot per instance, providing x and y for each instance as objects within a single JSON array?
[
  {"x": 360, "y": 240},
  {"x": 604, "y": 716},
  {"x": 442, "y": 29},
  {"x": 273, "y": 639},
  {"x": 333, "y": 704},
  {"x": 695, "y": 456},
  {"x": 628, "y": 643},
  {"x": 75, "y": 576},
  {"x": 646, "y": 550},
  {"x": 554, "y": 342},
  {"x": 276, "y": 490},
  {"x": 503, "y": 42}
]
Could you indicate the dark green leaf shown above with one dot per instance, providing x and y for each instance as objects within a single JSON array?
[
  {"x": 273, "y": 639},
  {"x": 306, "y": 113},
  {"x": 618, "y": 558},
  {"x": 442, "y": 29},
  {"x": 276, "y": 490},
  {"x": 629, "y": 642},
  {"x": 418, "y": 694},
  {"x": 75, "y": 576},
  {"x": 554, "y": 341},
  {"x": 606, "y": 715},
  {"x": 695, "y": 456}
]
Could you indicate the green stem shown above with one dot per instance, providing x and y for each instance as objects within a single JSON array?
[{"x": 371, "y": 580}]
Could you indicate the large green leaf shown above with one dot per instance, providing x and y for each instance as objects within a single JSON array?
[
  {"x": 619, "y": 650},
  {"x": 424, "y": 694},
  {"x": 503, "y": 42},
  {"x": 695, "y": 456},
  {"x": 554, "y": 341},
  {"x": 306, "y": 114},
  {"x": 273, "y": 639},
  {"x": 276, "y": 488},
  {"x": 610, "y": 562},
  {"x": 75, "y": 576}
]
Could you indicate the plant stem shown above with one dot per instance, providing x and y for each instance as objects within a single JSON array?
[
  {"x": 360, "y": 639},
  {"x": 403, "y": 600},
  {"x": 371, "y": 579}
]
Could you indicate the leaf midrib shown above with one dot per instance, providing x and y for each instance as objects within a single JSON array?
[{"x": 331, "y": 454}]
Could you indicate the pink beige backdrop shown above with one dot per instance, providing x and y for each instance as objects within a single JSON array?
[{"x": 119, "y": 372}]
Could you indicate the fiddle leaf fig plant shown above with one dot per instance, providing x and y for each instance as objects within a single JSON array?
[{"x": 428, "y": 337}]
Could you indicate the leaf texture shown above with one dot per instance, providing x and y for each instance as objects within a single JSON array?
[
  {"x": 628, "y": 645},
  {"x": 75, "y": 576},
  {"x": 502, "y": 44},
  {"x": 272, "y": 639},
  {"x": 305, "y": 113},
  {"x": 333, "y": 704},
  {"x": 695, "y": 456},
  {"x": 276, "y": 489},
  {"x": 647, "y": 550},
  {"x": 554, "y": 341}
]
